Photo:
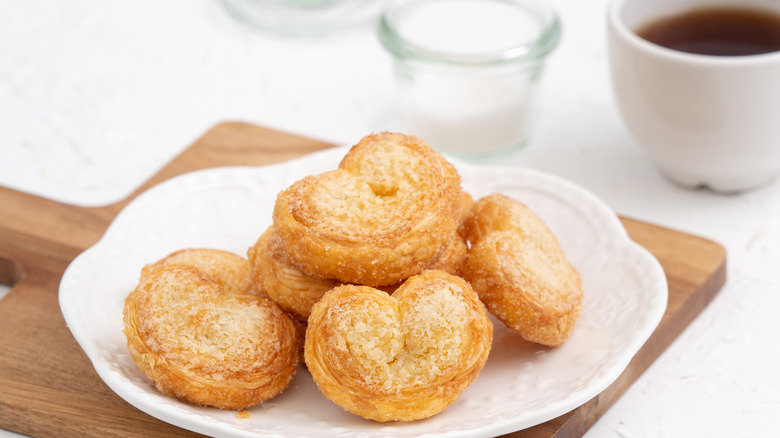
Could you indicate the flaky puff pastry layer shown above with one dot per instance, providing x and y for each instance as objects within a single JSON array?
[
  {"x": 402, "y": 357},
  {"x": 383, "y": 215},
  {"x": 519, "y": 270},
  {"x": 293, "y": 290},
  {"x": 200, "y": 344},
  {"x": 230, "y": 271},
  {"x": 296, "y": 292}
]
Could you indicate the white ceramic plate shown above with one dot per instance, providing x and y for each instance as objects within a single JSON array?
[{"x": 521, "y": 384}]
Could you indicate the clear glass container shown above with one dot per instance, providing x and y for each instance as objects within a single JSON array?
[
  {"x": 304, "y": 18},
  {"x": 467, "y": 71}
]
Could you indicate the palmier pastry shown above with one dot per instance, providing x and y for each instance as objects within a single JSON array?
[
  {"x": 383, "y": 215},
  {"x": 200, "y": 344},
  {"x": 519, "y": 270},
  {"x": 465, "y": 204},
  {"x": 294, "y": 291},
  {"x": 451, "y": 257},
  {"x": 230, "y": 271},
  {"x": 399, "y": 357}
]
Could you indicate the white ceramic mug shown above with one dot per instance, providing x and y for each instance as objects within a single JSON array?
[{"x": 705, "y": 120}]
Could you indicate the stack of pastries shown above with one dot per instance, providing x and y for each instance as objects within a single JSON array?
[{"x": 379, "y": 274}]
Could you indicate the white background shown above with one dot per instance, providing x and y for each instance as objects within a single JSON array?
[{"x": 95, "y": 96}]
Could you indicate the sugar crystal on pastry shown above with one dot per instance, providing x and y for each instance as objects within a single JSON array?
[
  {"x": 230, "y": 270},
  {"x": 275, "y": 277},
  {"x": 383, "y": 215},
  {"x": 202, "y": 344},
  {"x": 520, "y": 271},
  {"x": 402, "y": 357}
]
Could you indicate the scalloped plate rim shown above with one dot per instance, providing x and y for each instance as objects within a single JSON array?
[{"x": 172, "y": 414}]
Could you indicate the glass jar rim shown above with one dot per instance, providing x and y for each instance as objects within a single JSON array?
[
  {"x": 538, "y": 47},
  {"x": 303, "y": 18}
]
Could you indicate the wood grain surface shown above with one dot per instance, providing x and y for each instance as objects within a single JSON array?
[{"x": 49, "y": 388}]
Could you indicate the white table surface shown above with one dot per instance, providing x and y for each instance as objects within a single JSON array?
[{"x": 95, "y": 96}]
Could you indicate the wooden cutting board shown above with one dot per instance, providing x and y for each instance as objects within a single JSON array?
[{"x": 49, "y": 388}]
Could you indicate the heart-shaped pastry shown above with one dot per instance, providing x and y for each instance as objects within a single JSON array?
[
  {"x": 519, "y": 270},
  {"x": 383, "y": 215},
  {"x": 200, "y": 344},
  {"x": 402, "y": 357}
]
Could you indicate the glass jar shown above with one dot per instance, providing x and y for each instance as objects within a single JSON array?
[
  {"x": 303, "y": 18},
  {"x": 467, "y": 71}
]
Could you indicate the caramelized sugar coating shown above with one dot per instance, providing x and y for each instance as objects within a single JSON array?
[
  {"x": 229, "y": 270},
  {"x": 452, "y": 257},
  {"x": 402, "y": 357},
  {"x": 294, "y": 291},
  {"x": 200, "y": 344},
  {"x": 383, "y": 215},
  {"x": 465, "y": 204},
  {"x": 519, "y": 270}
]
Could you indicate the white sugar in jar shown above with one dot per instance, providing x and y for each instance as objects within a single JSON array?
[{"x": 467, "y": 71}]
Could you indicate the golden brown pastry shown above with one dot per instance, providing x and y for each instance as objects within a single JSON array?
[
  {"x": 451, "y": 257},
  {"x": 382, "y": 216},
  {"x": 402, "y": 357},
  {"x": 519, "y": 270},
  {"x": 466, "y": 203},
  {"x": 294, "y": 291},
  {"x": 200, "y": 344},
  {"x": 229, "y": 270}
]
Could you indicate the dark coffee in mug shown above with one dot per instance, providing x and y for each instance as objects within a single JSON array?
[{"x": 718, "y": 31}]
